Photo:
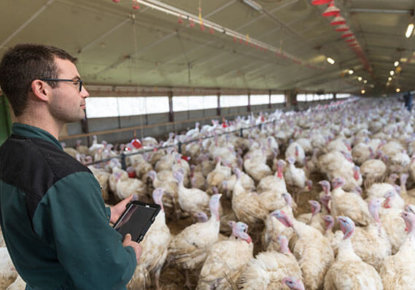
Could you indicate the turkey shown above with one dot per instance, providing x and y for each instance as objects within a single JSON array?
[
  {"x": 373, "y": 170},
  {"x": 268, "y": 269},
  {"x": 164, "y": 179},
  {"x": 226, "y": 260},
  {"x": 7, "y": 270},
  {"x": 311, "y": 249},
  {"x": 246, "y": 181},
  {"x": 393, "y": 200},
  {"x": 347, "y": 203},
  {"x": 374, "y": 234},
  {"x": 154, "y": 249},
  {"x": 167, "y": 161},
  {"x": 117, "y": 174},
  {"x": 293, "y": 283},
  {"x": 379, "y": 190},
  {"x": 197, "y": 179},
  {"x": 191, "y": 200},
  {"x": 394, "y": 226},
  {"x": 255, "y": 165},
  {"x": 295, "y": 179},
  {"x": 349, "y": 271},
  {"x": 189, "y": 248},
  {"x": 315, "y": 218},
  {"x": 126, "y": 187},
  {"x": 18, "y": 284},
  {"x": 362, "y": 152},
  {"x": 141, "y": 165},
  {"x": 247, "y": 205},
  {"x": 407, "y": 196},
  {"x": 334, "y": 238},
  {"x": 218, "y": 175},
  {"x": 274, "y": 182},
  {"x": 398, "y": 271},
  {"x": 274, "y": 228},
  {"x": 295, "y": 151},
  {"x": 336, "y": 164},
  {"x": 102, "y": 177}
]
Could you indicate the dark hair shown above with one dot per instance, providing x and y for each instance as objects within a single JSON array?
[{"x": 23, "y": 64}]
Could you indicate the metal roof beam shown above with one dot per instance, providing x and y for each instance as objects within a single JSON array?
[{"x": 381, "y": 11}]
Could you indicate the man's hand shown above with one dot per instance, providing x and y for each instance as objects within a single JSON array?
[
  {"x": 129, "y": 243},
  {"x": 119, "y": 208}
]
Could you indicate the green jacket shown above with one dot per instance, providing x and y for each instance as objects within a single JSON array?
[{"x": 54, "y": 220}]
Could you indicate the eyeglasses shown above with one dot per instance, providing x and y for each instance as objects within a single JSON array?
[{"x": 74, "y": 81}]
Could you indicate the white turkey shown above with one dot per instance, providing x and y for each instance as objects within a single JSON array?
[
  {"x": 189, "y": 248},
  {"x": 349, "y": 271},
  {"x": 226, "y": 260},
  {"x": 398, "y": 271},
  {"x": 348, "y": 204},
  {"x": 312, "y": 250},
  {"x": 154, "y": 250},
  {"x": 190, "y": 200},
  {"x": 268, "y": 269}
]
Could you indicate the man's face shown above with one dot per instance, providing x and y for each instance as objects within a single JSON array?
[{"x": 67, "y": 103}]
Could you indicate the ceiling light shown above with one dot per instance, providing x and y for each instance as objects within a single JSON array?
[
  {"x": 359, "y": 79},
  {"x": 363, "y": 91},
  {"x": 253, "y": 5},
  {"x": 338, "y": 21},
  {"x": 389, "y": 79},
  {"x": 330, "y": 60},
  {"x": 365, "y": 81},
  {"x": 391, "y": 72},
  {"x": 409, "y": 30},
  {"x": 331, "y": 10},
  {"x": 398, "y": 90},
  {"x": 351, "y": 71},
  {"x": 320, "y": 2},
  {"x": 396, "y": 63},
  {"x": 403, "y": 59}
]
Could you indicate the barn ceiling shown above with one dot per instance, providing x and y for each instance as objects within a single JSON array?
[{"x": 222, "y": 44}]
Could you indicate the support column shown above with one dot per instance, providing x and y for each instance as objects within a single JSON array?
[
  {"x": 218, "y": 111},
  {"x": 269, "y": 100},
  {"x": 171, "y": 113},
  {"x": 291, "y": 99},
  {"x": 249, "y": 101}
]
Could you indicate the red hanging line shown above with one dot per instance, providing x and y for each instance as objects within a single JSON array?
[{"x": 320, "y": 2}]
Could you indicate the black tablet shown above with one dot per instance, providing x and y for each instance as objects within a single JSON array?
[{"x": 137, "y": 219}]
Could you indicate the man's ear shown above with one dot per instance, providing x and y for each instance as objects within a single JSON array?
[{"x": 41, "y": 90}]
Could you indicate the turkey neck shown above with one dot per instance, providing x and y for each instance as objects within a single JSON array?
[
  {"x": 238, "y": 189},
  {"x": 346, "y": 252},
  {"x": 409, "y": 244}
]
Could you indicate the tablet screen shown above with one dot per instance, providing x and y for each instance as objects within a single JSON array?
[{"x": 137, "y": 219}]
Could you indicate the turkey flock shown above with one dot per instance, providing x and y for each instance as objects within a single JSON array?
[{"x": 318, "y": 199}]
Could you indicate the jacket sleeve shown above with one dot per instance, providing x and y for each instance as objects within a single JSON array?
[{"x": 72, "y": 218}]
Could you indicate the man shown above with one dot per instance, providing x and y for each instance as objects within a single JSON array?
[{"x": 53, "y": 218}]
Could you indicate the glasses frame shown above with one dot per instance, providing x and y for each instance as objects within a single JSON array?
[{"x": 66, "y": 80}]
